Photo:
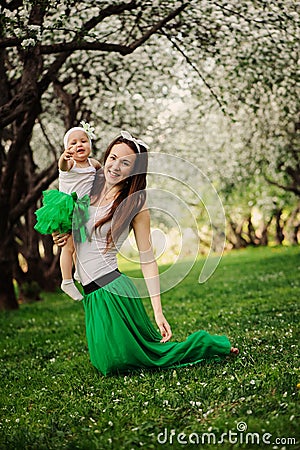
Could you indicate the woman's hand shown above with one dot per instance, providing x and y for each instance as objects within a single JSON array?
[
  {"x": 60, "y": 239},
  {"x": 164, "y": 327}
]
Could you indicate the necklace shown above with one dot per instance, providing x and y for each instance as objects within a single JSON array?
[{"x": 109, "y": 197}]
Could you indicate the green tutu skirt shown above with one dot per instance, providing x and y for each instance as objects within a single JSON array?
[
  {"x": 64, "y": 213},
  {"x": 122, "y": 338}
]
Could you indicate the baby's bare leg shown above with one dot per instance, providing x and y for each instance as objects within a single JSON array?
[
  {"x": 66, "y": 259},
  {"x": 66, "y": 264}
]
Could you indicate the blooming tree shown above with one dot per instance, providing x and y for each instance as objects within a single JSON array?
[
  {"x": 41, "y": 47},
  {"x": 166, "y": 69}
]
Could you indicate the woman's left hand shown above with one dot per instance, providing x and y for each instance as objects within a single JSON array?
[
  {"x": 164, "y": 327},
  {"x": 60, "y": 239}
]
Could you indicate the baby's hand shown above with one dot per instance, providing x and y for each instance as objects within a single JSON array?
[{"x": 68, "y": 154}]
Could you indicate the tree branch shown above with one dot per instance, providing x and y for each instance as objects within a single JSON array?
[
  {"x": 289, "y": 188},
  {"x": 14, "y": 4},
  {"x": 89, "y": 25},
  {"x": 20, "y": 103},
  {"x": 83, "y": 45},
  {"x": 10, "y": 42},
  {"x": 51, "y": 146},
  {"x": 52, "y": 72},
  {"x": 17, "y": 105},
  {"x": 195, "y": 68},
  {"x": 109, "y": 47},
  {"x": 24, "y": 131},
  {"x": 157, "y": 27},
  {"x": 50, "y": 174},
  {"x": 106, "y": 12}
]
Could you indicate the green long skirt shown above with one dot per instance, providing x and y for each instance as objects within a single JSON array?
[{"x": 121, "y": 336}]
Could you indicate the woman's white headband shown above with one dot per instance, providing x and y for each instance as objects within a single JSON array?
[{"x": 137, "y": 142}]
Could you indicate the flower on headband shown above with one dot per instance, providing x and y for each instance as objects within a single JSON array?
[{"x": 88, "y": 129}]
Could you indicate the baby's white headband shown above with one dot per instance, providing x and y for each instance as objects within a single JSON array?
[{"x": 86, "y": 128}]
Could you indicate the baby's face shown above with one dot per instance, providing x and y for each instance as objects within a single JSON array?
[{"x": 79, "y": 144}]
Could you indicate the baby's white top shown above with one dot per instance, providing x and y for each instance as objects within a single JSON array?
[
  {"x": 91, "y": 261},
  {"x": 77, "y": 179}
]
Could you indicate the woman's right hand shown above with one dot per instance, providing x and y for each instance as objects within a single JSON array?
[
  {"x": 60, "y": 239},
  {"x": 164, "y": 327}
]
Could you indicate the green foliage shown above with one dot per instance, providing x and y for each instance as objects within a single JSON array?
[
  {"x": 31, "y": 290},
  {"x": 52, "y": 398}
]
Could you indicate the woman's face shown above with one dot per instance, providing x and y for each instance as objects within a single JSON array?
[{"x": 119, "y": 164}]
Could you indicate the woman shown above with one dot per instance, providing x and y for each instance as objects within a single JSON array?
[{"x": 120, "y": 335}]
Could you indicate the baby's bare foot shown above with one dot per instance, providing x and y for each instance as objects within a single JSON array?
[{"x": 234, "y": 351}]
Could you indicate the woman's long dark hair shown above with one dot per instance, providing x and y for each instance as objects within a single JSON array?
[{"x": 132, "y": 195}]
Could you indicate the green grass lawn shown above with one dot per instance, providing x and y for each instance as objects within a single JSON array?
[{"x": 52, "y": 398}]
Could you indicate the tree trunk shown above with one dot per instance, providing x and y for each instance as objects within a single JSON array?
[
  {"x": 294, "y": 235},
  {"x": 264, "y": 239},
  {"x": 52, "y": 275},
  {"x": 251, "y": 232},
  {"x": 238, "y": 240},
  {"x": 40, "y": 271},
  {"x": 8, "y": 299},
  {"x": 293, "y": 225},
  {"x": 279, "y": 228}
]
